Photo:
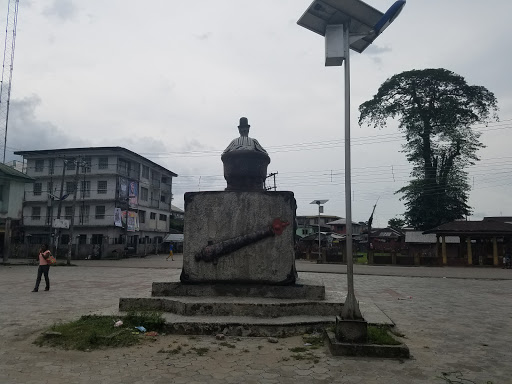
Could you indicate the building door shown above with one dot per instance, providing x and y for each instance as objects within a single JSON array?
[{"x": 96, "y": 241}]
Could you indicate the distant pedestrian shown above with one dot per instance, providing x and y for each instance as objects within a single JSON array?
[
  {"x": 44, "y": 268},
  {"x": 171, "y": 254},
  {"x": 507, "y": 259}
]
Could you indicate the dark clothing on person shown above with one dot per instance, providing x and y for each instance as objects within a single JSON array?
[{"x": 43, "y": 270}]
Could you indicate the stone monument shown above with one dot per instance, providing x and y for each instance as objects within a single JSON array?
[
  {"x": 244, "y": 234},
  {"x": 238, "y": 273}
]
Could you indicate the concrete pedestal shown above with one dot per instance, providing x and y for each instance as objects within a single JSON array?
[
  {"x": 353, "y": 331},
  {"x": 240, "y": 224}
]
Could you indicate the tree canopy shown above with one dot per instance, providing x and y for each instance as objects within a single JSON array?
[
  {"x": 396, "y": 222},
  {"x": 435, "y": 109}
]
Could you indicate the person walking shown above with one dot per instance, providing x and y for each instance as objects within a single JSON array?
[
  {"x": 171, "y": 254},
  {"x": 44, "y": 268}
]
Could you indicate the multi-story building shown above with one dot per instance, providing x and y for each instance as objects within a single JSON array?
[
  {"x": 307, "y": 225},
  {"x": 123, "y": 200},
  {"x": 12, "y": 187}
]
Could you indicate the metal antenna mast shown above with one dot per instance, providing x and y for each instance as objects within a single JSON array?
[{"x": 5, "y": 86}]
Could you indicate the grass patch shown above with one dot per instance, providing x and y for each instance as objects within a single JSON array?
[
  {"x": 200, "y": 351},
  {"x": 97, "y": 332},
  {"x": 380, "y": 336},
  {"x": 226, "y": 344},
  {"x": 316, "y": 340},
  {"x": 361, "y": 258}
]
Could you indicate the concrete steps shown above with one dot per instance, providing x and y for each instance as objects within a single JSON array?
[
  {"x": 247, "y": 309},
  {"x": 304, "y": 289},
  {"x": 232, "y": 306}
]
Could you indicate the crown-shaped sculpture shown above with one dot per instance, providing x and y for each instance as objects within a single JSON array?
[{"x": 245, "y": 162}]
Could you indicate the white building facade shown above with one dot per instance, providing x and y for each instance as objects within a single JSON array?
[{"x": 123, "y": 200}]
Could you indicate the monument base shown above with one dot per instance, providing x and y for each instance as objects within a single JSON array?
[
  {"x": 303, "y": 289},
  {"x": 239, "y": 237}
]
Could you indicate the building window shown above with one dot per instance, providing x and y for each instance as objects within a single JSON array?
[
  {"x": 39, "y": 165},
  {"x": 145, "y": 171},
  {"x": 100, "y": 212},
  {"x": 51, "y": 166},
  {"x": 102, "y": 187},
  {"x": 70, "y": 186},
  {"x": 37, "y": 189},
  {"x": 143, "y": 194},
  {"x": 163, "y": 217},
  {"x": 123, "y": 167},
  {"x": 70, "y": 165},
  {"x": 163, "y": 198},
  {"x": 152, "y": 216},
  {"x": 97, "y": 239},
  {"x": 86, "y": 164},
  {"x": 68, "y": 213},
  {"x": 49, "y": 187},
  {"x": 84, "y": 214},
  {"x": 142, "y": 216},
  {"x": 36, "y": 213},
  {"x": 103, "y": 163},
  {"x": 85, "y": 188}
]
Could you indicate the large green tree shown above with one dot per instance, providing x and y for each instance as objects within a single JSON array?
[{"x": 435, "y": 109}]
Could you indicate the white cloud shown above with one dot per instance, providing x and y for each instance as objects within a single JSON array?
[
  {"x": 176, "y": 77},
  {"x": 63, "y": 10}
]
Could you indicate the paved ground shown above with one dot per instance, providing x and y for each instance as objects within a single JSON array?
[{"x": 462, "y": 322}]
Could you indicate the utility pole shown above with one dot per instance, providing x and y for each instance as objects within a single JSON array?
[
  {"x": 72, "y": 223},
  {"x": 56, "y": 237},
  {"x": 7, "y": 67},
  {"x": 272, "y": 175},
  {"x": 64, "y": 164},
  {"x": 369, "y": 255}
]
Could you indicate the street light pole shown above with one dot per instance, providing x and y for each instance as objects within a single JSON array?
[
  {"x": 333, "y": 21},
  {"x": 73, "y": 211},
  {"x": 351, "y": 307},
  {"x": 319, "y": 238},
  {"x": 320, "y": 209}
]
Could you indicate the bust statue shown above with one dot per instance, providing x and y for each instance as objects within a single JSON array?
[
  {"x": 245, "y": 162},
  {"x": 244, "y": 142}
]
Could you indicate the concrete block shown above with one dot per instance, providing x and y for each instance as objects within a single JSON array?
[
  {"x": 239, "y": 223},
  {"x": 305, "y": 290},
  {"x": 355, "y": 331},
  {"x": 338, "y": 348}
]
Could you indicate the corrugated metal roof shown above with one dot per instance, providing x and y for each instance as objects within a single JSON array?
[
  {"x": 487, "y": 227},
  {"x": 420, "y": 238},
  {"x": 176, "y": 237},
  {"x": 13, "y": 173},
  {"x": 341, "y": 221}
]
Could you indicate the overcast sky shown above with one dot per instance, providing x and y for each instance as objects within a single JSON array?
[{"x": 170, "y": 79}]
